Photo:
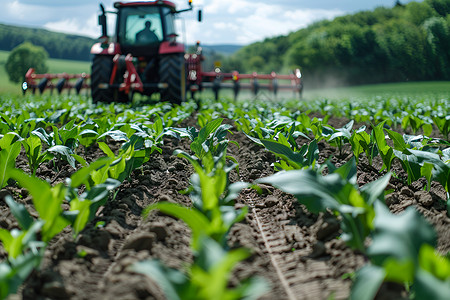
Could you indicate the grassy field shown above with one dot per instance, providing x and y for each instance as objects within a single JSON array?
[
  {"x": 416, "y": 89},
  {"x": 55, "y": 66},
  {"x": 402, "y": 89}
]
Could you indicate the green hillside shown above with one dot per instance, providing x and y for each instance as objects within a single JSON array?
[
  {"x": 58, "y": 45},
  {"x": 403, "y": 43}
]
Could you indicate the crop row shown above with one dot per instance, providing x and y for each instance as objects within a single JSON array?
[{"x": 59, "y": 136}]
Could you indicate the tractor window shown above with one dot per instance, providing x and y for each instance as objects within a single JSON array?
[
  {"x": 170, "y": 21},
  {"x": 140, "y": 26}
]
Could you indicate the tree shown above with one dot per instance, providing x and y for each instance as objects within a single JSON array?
[{"x": 23, "y": 57}]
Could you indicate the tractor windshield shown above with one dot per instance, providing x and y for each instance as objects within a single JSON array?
[{"x": 140, "y": 26}]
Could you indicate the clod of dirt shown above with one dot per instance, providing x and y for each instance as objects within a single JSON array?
[
  {"x": 55, "y": 290},
  {"x": 407, "y": 192},
  {"x": 115, "y": 229},
  {"x": 318, "y": 249},
  {"x": 327, "y": 228},
  {"x": 271, "y": 201},
  {"x": 95, "y": 238},
  {"x": 160, "y": 231},
  {"x": 140, "y": 241},
  {"x": 3, "y": 194},
  {"x": 424, "y": 198},
  {"x": 391, "y": 199}
]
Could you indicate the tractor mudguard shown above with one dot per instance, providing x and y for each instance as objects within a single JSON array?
[
  {"x": 105, "y": 49},
  {"x": 171, "y": 47}
]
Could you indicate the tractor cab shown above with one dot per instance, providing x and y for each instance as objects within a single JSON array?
[
  {"x": 142, "y": 57},
  {"x": 142, "y": 28}
]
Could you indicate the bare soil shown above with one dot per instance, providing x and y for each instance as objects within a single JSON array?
[{"x": 298, "y": 253}]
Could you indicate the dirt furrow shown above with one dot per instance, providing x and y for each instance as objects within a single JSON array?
[
  {"x": 302, "y": 263},
  {"x": 269, "y": 241}
]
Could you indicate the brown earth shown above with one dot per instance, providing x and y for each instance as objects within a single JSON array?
[{"x": 295, "y": 251}]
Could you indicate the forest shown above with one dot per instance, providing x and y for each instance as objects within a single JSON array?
[{"x": 403, "y": 43}]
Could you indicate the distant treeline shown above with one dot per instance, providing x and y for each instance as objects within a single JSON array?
[
  {"x": 58, "y": 45},
  {"x": 405, "y": 42}
]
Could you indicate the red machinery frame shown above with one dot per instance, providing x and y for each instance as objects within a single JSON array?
[
  {"x": 197, "y": 79},
  {"x": 216, "y": 80},
  {"x": 65, "y": 81}
]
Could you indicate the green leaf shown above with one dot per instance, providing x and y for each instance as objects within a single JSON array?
[
  {"x": 83, "y": 174},
  {"x": 368, "y": 281},
  {"x": 42, "y": 134},
  {"x": 65, "y": 153},
  {"x": 316, "y": 192},
  {"x": 209, "y": 128},
  {"x": 6, "y": 238},
  {"x": 117, "y": 135},
  {"x": 81, "y": 207},
  {"x": 20, "y": 213},
  {"x": 399, "y": 236},
  {"x": 46, "y": 200},
  {"x": 386, "y": 152},
  {"x": 198, "y": 223},
  {"x": 427, "y": 172},
  {"x": 348, "y": 171},
  {"x": 399, "y": 142},
  {"x": 375, "y": 190},
  {"x": 10, "y": 150},
  {"x": 426, "y": 286},
  {"x": 105, "y": 148},
  {"x": 434, "y": 263},
  {"x": 87, "y": 137},
  {"x": 162, "y": 275}
]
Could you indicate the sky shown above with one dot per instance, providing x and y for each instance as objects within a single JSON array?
[{"x": 224, "y": 21}]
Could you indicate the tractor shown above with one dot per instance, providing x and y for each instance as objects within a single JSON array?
[{"x": 143, "y": 56}]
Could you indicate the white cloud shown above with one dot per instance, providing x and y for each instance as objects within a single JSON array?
[
  {"x": 76, "y": 26},
  {"x": 231, "y": 21}
]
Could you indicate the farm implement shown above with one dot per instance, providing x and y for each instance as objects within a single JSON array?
[{"x": 144, "y": 57}]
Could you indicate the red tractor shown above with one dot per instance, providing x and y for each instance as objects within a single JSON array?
[{"x": 143, "y": 55}]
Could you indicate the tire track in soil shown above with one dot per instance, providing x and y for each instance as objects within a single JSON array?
[
  {"x": 300, "y": 273},
  {"x": 269, "y": 244}
]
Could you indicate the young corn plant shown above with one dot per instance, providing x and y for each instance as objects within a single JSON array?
[
  {"x": 337, "y": 191},
  {"x": 35, "y": 155},
  {"x": 386, "y": 152},
  {"x": 402, "y": 251},
  {"x": 362, "y": 142},
  {"x": 339, "y": 136},
  {"x": 443, "y": 124},
  {"x": 133, "y": 154},
  {"x": 83, "y": 207},
  {"x": 47, "y": 201},
  {"x": 206, "y": 278},
  {"x": 209, "y": 139},
  {"x": 24, "y": 250},
  {"x": 212, "y": 196},
  {"x": 415, "y": 123},
  {"x": 9, "y": 151},
  {"x": 305, "y": 157},
  {"x": 55, "y": 143}
]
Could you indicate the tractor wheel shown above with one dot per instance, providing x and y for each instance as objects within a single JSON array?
[
  {"x": 101, "y": 73},
  {"x": 172, "y": 71}
]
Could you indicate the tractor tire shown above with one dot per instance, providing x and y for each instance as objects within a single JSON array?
[
  {"x": 172, "y": 71},
  {"x": 101, "y": 73}
]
